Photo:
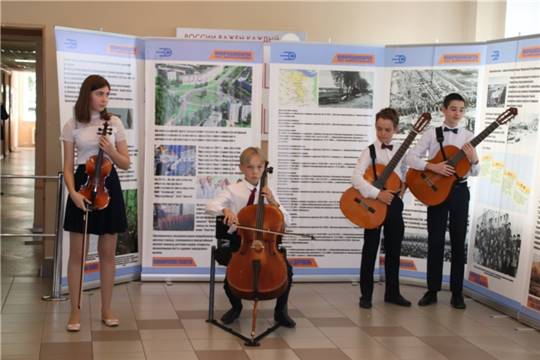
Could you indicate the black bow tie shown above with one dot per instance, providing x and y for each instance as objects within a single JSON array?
[
  {"x": 452, "y": 130},
  {"x": 389, "y": 147}
]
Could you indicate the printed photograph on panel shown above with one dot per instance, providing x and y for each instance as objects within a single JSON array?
[
  {"x": 128, "y": 241},
  {"x": 125, "y": 114},
  {"x": 346, "y": 89},
  {"x": 174, "y": 217},
  {"x": 175, "y": 160},
  {"x": 533, "y": 300},
  {"x": 496, "y": 92},
  {"x": 523, "y": 129},
  {"x": 416, "y": 246},
  {"x": 203, "y": 95},
  {"x": 413, "y": 92},
  {"x": 297, "y": 87},
  {"x": 507, "y": 179},
  {"x": 497, "y": 242},
  {"x": 208, "y": 187}
]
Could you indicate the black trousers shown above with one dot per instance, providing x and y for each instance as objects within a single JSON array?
[
  {"x": 393, "y": 229},
  {"x": 282, "y": 300},
  {"x": 453, "y": 212}
]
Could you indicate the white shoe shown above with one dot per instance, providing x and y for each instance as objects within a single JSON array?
[
  {"x": 73, "y": 327},
  {"x": 111, "y": 322}
]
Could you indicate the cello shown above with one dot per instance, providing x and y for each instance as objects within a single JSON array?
[
  {"x": 97, "y": 169},
  {"x": 258, "y": 270}
]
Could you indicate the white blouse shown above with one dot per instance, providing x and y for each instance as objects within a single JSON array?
[{"x": 85, "y": 135}]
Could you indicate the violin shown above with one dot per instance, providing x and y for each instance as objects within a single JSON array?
[{"x": 97, "y": 169}]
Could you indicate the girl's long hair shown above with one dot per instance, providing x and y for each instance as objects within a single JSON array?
[{"x": 82, "y": 106}]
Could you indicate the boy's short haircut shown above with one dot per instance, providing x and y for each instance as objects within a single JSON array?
[
  {"x": 248, "y": 153},
  {"x": 451, "y": 97},
  {"x": 388, "y": 114}
]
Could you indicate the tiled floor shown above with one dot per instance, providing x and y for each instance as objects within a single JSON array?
[{"x": 160, "y": 321}]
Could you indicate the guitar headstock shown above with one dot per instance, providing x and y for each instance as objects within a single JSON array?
[
  {"x": 422, "y": 122},
  {"x": 105, "y": 130},
  {"x": 507, "y": 115}
]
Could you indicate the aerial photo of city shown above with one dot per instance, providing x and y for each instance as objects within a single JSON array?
[
  {"x": 413, "y": 92},
  {"x": 203, "y": 95}
]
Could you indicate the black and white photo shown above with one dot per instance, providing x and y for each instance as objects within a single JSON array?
[
  {"x": 497, "y": 242},
  {"x": 413, "y": 92},
  {"x": 346, "y": 89},
  {"x": 496, "y": 92}
]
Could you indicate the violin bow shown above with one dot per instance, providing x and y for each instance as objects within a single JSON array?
[
  {"x": 274, "y": 232},
  {"x": 83, "y": 256}
]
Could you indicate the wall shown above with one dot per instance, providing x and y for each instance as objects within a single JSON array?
[{"x": 365, "y": 22}]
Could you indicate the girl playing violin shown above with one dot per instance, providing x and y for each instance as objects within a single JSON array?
[
  {"x": 80, "y": 136},
  {"x": 228, "y": 203}
]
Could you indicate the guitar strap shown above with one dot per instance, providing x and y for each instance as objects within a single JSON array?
[
  {"x": 440, "y": 139},
  {"x": 373, "y": 156}
]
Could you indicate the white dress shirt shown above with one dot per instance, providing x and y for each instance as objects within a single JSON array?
[
  {"x": 383, "y": 157},
  {"x": 236, "y": 196},
  {"x": 428, "y": 143}
]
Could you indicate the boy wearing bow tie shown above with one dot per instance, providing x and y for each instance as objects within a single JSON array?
[
  {"x": 381, "y": 152},
  {"x": 228, "y": 203},
  {"x": 455, "y": 208}
]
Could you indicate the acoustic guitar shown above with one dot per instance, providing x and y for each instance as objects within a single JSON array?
[
  {"x": 371, "y": 213},
  {"x": 432, "y": 188}
]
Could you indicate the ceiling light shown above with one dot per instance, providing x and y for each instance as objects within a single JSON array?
[{"x": 25, "y": 60}]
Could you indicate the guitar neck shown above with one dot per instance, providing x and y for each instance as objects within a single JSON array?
[
  {"x": 381, "y": 180},
  {"x": 474, "y": 142}
]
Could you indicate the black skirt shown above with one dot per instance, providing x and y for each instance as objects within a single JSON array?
[{"x": 111, "y": 220}]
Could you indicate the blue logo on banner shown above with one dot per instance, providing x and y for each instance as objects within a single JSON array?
[
  {"x": 288, "y": 55},
  {"x": 164, "y": 52},
  {"x": 495, "y": 55},
  {"x": 399, "y": 59},
  {"x": 70, "y": 43}
]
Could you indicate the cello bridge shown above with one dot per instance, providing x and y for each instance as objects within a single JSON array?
[{"x": 257, "y": 245}]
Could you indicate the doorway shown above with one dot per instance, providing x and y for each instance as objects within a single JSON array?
[{"x": 22, "y": 117}]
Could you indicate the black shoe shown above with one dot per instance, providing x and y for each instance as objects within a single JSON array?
[
  {"x": 429, "y": 298},
  {"x": 398, "y": 300},
  {"x": 231, "y": 315},
  {"x": 283, "y": 319},
  {"x": 457, "y": 301},
  {"x": 365, "y": 303}
]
